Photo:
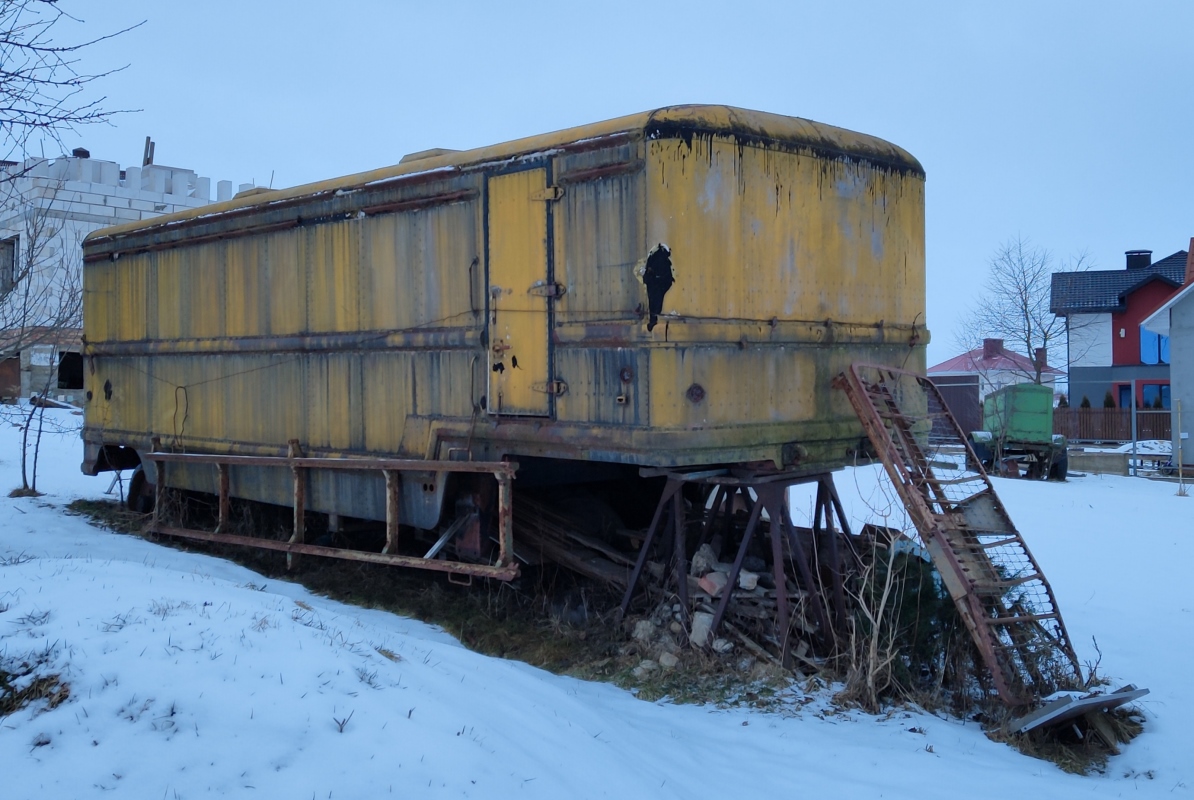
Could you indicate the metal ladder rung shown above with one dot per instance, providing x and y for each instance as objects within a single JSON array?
[
  {"x": 1000, "y": 543},
  {"x": 1001, "y": 586},
  {"x": 956, "y": 481},
  {"x": 1002, "y": 621}
]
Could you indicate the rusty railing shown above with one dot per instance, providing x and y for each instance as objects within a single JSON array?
[{"x": 506, "y": 567}]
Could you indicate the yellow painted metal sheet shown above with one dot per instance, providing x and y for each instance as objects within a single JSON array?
[
  {"x": 598, "y": 241},
  {"x": 518, "y": 335},
  {"x": 421, "y": 269},
  {"x": 758, "y": 233},
  {"x": 332, "y": 256}
]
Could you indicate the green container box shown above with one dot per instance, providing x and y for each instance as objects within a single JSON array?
[{"x": 1020, "y": 413}]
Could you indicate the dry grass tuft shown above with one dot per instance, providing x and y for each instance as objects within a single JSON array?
[
  {"x": 16, "y": 691},
  {"x": 25, "y": 491}
]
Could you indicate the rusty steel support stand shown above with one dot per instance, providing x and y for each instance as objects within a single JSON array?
[
  {"x": 159, "y": 487},
  {"x": 505, "y": 520},
  {"x": 719, "y": 498},
  {"x": 393, "y": 506},
  {"x": 225, "y": 502},
  {"x": 736, "y": 567},
  {"x": 681, "y": 554},
  {"x": 806, "y": 575},
  {"x": 669, "y": 490},
  {"x": 782, "y": 612},
  {"x": 823, "y": 524},
  {"x": 300, "y": 504},
  {"x": 773, "y": 498}
]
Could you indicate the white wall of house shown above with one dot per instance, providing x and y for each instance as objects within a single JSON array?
[{"x": 1090, "y": 340}]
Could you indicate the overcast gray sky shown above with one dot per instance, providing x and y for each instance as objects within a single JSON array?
[{"x": 1069, "y": 123}]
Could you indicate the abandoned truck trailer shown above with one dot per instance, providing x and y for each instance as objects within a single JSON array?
[{"x": 661, "y": 296}]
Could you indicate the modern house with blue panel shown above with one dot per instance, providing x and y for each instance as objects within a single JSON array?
[{"x": 1107, "y": 350}]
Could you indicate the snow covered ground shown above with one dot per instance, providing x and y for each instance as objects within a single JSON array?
[{"x": 191, "y": 676}]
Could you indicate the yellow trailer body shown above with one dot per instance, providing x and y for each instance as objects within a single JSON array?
[{"x": 669, "y": 289}]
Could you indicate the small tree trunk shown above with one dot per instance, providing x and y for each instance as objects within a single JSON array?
[
  {"x": 25, "y": 448},
  {"x": 41, "y": 417}
]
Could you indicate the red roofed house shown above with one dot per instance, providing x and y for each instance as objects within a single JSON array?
[
  {"x": 995, "y": 367},
  {"x": 967, "y": 379}
]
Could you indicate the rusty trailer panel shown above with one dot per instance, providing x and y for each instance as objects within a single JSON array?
[{"x": 676, "y": 286}]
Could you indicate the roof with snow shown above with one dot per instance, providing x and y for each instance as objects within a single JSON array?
[
  {"x": 1105, "y": 290},
  {"x": 975, "y": 362}
]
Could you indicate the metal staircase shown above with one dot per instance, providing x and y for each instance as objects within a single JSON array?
[{"x": 998, "y": 587}]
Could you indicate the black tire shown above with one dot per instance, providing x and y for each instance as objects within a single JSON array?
[
  {"x": 140, "y": 496},
  {"x": 1060, "y": 467}
]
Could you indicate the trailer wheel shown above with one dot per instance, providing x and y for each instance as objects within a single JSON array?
[
  {"x": 141, "y": 492},
  {"x": 1060, "y": 467}
]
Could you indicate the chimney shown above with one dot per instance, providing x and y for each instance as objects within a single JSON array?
[
  {"x": 81, "y": 152},
  {"x": 992, "y": 348},
  {"x": 1042, "y": 359},
  {"x": 1190, "y": 264},
  {"x": 1139, "y": 259}
]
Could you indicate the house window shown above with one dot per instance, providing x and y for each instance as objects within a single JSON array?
[
  {"x": 1154, "y": 348},
  {"x": 1154, "y": 393},
  {"x": 8, "y": 264}
]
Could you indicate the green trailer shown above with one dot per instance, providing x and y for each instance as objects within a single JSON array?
[{"x": 1017, "y": 436}]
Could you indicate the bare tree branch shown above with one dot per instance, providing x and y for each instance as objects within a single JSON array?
[
  {"x": 42, "y": 87},
  {"x": 1014, "y": 305}
]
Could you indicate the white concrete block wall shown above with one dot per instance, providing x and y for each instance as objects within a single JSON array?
[
  {"x": 109, "y": 173},
  {"x": 76, "y": 196},
  {"x": 155, "y": 179}
]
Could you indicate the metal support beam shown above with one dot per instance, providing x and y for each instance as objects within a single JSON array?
[
  {"x": 225, "y": 502},
  {"x": 393, "y": 505}
]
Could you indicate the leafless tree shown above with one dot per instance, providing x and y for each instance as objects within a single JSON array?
[
  {"x": 42, "y": 309},
  {"x": 1014, "y": 305},
  {"x": 44, "y": 91}
]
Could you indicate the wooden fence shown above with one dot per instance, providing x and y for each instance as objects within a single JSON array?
[{"x": 1110, "y": 424}]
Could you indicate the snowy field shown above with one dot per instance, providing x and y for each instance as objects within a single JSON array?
[{"x": 194, "y": 677}]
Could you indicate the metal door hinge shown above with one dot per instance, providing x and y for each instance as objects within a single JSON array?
[
  {"x": 545, "y": 289},
  {"x": 556, "y": 387},
  {"x": 548, "y": 193}
]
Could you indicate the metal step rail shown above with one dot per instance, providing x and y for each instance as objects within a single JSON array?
[
  {"x": 997, "y": 585},
  {"x": 506, "y": 567}
]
